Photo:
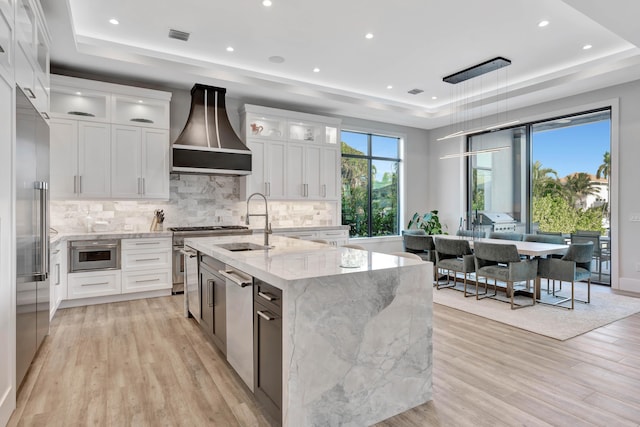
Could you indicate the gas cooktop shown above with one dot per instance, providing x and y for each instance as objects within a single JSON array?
[{"x": 209, "y": 228}]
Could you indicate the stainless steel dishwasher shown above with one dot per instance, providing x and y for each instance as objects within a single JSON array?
[{"x": 240, "y": 323}]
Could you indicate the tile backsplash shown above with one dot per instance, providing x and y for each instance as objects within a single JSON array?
[{"x": 194, "y": 200}]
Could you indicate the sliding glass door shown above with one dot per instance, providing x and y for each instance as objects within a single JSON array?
[{"x": 546, "y": 177}]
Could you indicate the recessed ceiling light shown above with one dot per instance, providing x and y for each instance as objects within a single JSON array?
[
  {"x": 266, "y": 3},
  {"x": 230, "y": 49},
  {"x": 368, "y": 36},
  {"x": 79, "y": 93},
  {"x": 316, "y": 70},
  {"x": 389, "y": 87},
  {"x": 587, "y": 47},
  {"x": 543, "y": 23},
  {"x": 140, "y": 101},
  {"x": 114, "y": 21},
  {"x": 434, "y": 97},
  {"x": 276, "y": 59}
]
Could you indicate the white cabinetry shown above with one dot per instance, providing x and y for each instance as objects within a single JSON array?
[
  {"x": 93, "y": 284},
  {"x": 57, "y": 277},
  {"x": 146, "y": 264},
  {"x": 295, "y": 155},
  {"x": 268, "y": 169},
  {"x": 32, "y": 54},
  {"x": 80, "y": 159},
  {"x": 140, "y": 162},
  {"x": 136, "y": 125}
]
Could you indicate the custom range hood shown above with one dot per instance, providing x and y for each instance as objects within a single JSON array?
[{"x": 208, "y": 144}]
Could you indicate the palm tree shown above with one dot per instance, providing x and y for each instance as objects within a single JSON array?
[
  {"x": 579, "y": 185},
  {"x": 545, "y": 181},
  {"x": 604, "y": 170}
]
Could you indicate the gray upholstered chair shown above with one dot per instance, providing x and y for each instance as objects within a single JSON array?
[
  {"x": 471, "y": 233},
  {"x": 592, "y": 236},
  {"x": 502, "y": 262},
  {"x": 454, "y": 256},
  {"x": 505, "y": 236},
  {"x": 420, "y": 244},
  {"x": 574, "y": 266},
  {"x": 555, "y": 239}
]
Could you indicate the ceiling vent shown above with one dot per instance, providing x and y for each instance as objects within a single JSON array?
[
  {"x": 415, "y": 91},
  {"x": 179, "y": 35}
]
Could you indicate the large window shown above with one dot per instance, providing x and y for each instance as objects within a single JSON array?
[
  {"x": 550, "y": 176},
  {"x": 370, "y": 185}
]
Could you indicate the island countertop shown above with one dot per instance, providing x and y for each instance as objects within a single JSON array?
[{"x": 295, "y": 259}]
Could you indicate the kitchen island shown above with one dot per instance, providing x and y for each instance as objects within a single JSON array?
[{"x": 356, "y": 327}]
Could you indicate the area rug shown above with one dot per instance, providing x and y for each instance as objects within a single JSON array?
[{"x": 554, "y": 322}]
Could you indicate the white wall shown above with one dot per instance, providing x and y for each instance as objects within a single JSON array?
[{"x": 625, "y": 173}]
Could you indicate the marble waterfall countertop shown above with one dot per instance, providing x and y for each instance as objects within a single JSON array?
[
  {"x": 294, "y": 259},
  {"x": 356, "y": 341}
]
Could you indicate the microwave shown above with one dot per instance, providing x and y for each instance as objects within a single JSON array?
[{"x": 94, "y": 255}]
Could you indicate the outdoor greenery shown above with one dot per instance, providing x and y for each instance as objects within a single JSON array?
[
  {"x": 559, "y": 205},
  {"x": 356, "y": 179}
]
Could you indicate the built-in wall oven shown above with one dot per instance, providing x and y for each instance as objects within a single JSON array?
[{"x": 91, "y": 255}]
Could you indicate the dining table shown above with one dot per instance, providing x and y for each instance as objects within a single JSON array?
[{"x": 528, "y": 249}]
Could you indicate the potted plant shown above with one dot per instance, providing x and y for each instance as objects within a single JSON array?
[{"x": 429, "y": 222}]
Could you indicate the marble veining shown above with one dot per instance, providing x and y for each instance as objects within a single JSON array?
[{"x": 357, "y": 341}]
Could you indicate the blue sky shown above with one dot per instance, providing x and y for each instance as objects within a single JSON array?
[{"x": 572, "y": 149}]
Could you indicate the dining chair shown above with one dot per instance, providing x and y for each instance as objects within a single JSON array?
[
  {"x": 505, "y": 236},
  {"x": 408, "y": 255},
  {"x": 454, "y": 256},
  {"x": 555, "y": 239},
  {"x": 471, "y": 233},
  {"x": 574, "y": 266},
  {"x": 599, "y": 256},
  {"x": 502, "y": 262}
]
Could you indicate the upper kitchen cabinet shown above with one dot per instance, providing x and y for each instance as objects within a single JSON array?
[
  {"x": 136, "y": 153},
  {"x": 139, "y": 163},
  {"x": 140, "y": 111},
  {"x": 92, "y": 100},
  {"x": 80, "y": 160},
  {"x": 297, "y": 149},
  {"x": 6, "y": 39},
  {"x": 32, "y": 53}
]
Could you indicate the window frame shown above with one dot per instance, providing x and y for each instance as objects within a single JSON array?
[{"x": 370, "y": 133}]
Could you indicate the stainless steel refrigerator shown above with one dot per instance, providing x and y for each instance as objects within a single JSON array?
[{"x": 32, "y": 233}]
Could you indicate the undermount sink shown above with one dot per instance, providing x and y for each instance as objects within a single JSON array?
[{"x": 243, "y": 246}]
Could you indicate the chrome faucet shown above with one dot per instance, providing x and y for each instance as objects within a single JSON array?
[{"x": 267, "y": 224}]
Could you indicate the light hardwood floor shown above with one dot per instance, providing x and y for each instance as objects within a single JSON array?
[{"x": 140, "y": 363}]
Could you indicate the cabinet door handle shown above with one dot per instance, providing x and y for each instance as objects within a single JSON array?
[
  {"x": 267, "y": 296},
  {"x": 266, "y": 188},
  {"x": 264, "y": 315},
  {"x": 46, "y": 116},
  {"x": 75, "y": 184},
  {"x": 144, "y": 190},
  {"x": 210, "y": 292},
  {"x": 146, "y": 243},
  {"x": 148, "y": 280},
  {"x": 79, "y": 184},
  {"x": 95, "y": 284},
  {"x": 236, "y": 278},
  {"x": 148, "y": 259},
  {"x": 30, "y": 94},
  {"x": 57, "y": 274},
  {"x": 324, "y": 190}
]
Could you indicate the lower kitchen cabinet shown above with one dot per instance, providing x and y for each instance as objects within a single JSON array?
[
  {"x": 93, "y": 284},
  {"x": 146, "y": 264},
  {"x": 213, "y": 301},
  {"x": 267, "y": 347}
]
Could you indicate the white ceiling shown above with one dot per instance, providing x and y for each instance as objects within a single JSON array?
[{"x": 416, "y": 43}]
